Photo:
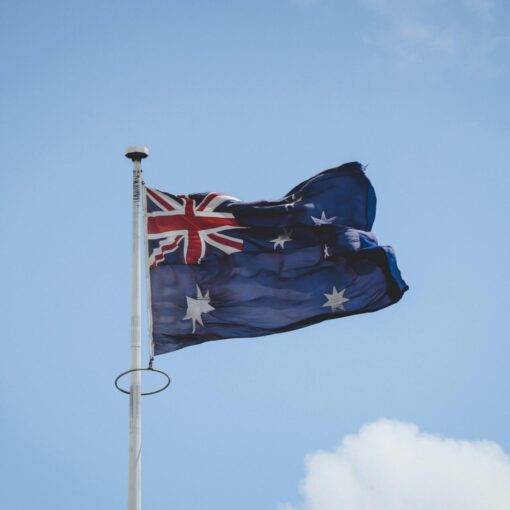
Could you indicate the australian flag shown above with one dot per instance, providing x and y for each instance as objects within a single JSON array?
[{"x": 221, "y": 268}]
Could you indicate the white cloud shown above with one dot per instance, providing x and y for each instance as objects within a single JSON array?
[
  {"x": 484, "y": 8},
  {"x": 439, "y": 33},
  {"x": 423, "y": 35},
  {"x": 390, "y": 465}
]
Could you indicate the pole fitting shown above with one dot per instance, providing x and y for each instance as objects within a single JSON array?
[{"x": 136, "y": 152}]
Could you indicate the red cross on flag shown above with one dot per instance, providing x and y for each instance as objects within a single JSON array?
[{"x": 182, "y": 221}]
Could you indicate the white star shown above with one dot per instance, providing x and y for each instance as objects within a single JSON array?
[
  {"x": 326, "y": 251},
  {"x": 323, "y": 220},
  {"x": 196, "y": 307},
  {"x": 282, "y": 239},
  {"x": 336, "y": 300}
]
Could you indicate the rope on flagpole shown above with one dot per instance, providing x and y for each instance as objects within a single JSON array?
[{"x": 150, "y": 339}]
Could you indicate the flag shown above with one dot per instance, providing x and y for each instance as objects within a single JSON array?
[{"x": 221, "y": 268}]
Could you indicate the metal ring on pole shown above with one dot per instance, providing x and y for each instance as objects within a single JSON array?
[{"x": 164, "y": 387}]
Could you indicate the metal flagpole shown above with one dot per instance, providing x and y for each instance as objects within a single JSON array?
[{"x": 136, "y": 154}]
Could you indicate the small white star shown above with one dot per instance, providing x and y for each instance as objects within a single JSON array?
[
  {"x": 282, "y": 239},
  {"x": 323, "y": 220},
  {"x": 336, "y": 300},
  {"x": 326, "y": 251},
  {"x": 196, "y": 307},
  {"x": 292, "y": 204}
]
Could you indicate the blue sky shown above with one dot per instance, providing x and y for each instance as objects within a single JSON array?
[{"x": 249, "y": 98}]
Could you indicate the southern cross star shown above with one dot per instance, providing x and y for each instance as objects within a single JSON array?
[
  {"x": 294, "y": 199},
  {"x": 282, "y": 239},
  {"x": 336, "y": 300},
  {"x": 196, "y": 307},
  {"x": 323, "y": 220}
]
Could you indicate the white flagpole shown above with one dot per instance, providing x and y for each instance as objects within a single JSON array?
[{"x": 136, "y": 154}]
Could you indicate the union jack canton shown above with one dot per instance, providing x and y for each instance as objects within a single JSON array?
[{"x": 189, "y": 223}]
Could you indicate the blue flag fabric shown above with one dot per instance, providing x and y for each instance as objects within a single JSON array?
[{"x": 221, "y": 268}]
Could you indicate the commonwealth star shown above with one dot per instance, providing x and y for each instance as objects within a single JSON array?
[{"x": 197, "y": 307}]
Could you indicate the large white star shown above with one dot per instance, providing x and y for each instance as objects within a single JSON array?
[
  {"x": 282, "y": 239},
  {"x": 196, "y": 307},
  {"x": 336, "y": 300},
  {"x": 323, "y": 220}
]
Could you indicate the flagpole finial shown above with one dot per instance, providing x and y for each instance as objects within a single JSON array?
[{"x": 136, "y": 152}]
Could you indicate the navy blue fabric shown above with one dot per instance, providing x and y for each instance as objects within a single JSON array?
[{"x": 269, "y": 288}]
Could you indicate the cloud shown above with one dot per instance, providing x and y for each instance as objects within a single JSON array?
[
  {"x": 484, "y": 8},
  {"x": 440, "y": 33},
  {"x": 390, "y": 465},
  {"x": 423, "y": 35}
]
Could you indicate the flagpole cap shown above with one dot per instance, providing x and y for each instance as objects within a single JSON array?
[{"x": 136, "y": 152}]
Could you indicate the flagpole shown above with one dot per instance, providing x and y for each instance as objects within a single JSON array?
[{"x": 136, "y": 154}]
